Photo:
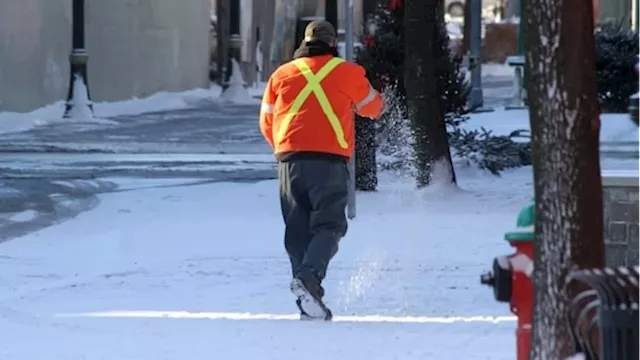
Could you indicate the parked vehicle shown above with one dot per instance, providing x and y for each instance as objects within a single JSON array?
[{"x": 633, "y": 100}]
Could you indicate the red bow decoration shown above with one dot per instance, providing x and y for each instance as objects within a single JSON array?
[
  {"x": 368, "y": 40},
  {"x": 396, "y": 4}
]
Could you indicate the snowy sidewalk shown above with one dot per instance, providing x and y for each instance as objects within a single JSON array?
[
  {"x": 196, "y": 121},
  {"x": 619, "y": 136},
  {"x": 200, "y": 272},
  {"x": 209, "y": 127}
]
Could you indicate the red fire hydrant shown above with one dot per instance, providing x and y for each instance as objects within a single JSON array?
[{"x": 511, "y": 278}]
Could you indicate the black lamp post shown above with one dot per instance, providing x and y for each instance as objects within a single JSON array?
[
  {"x": 634, "y": 100},
  {"x": 78, "y": 57},
  {"x": 331, "y": 12},
  {"x": 235, "y": 40}
]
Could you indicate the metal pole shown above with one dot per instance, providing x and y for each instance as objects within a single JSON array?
[
  {"x": 476, "y": 100},
  {"x": 235, "y": 40},
  {"x": 636, "y": 25},
  {"x": 222, "y": 45},
  {"x": 348, "y": 51},
  {"x": 331, "y": 12},
  {"x": 475, "y": 97},
  {"x": 78, "y": 58}
]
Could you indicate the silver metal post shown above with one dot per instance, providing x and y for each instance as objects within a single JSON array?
[
  {"x": 476, "y": 100},
  {"x": 348, "y": 51}
]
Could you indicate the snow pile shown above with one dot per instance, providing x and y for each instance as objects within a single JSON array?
[
  {"x": 614, "y": 128},
  {"x": 236, "y": 92},
  {"x": 510, "y": 20},
  {"x": 11, "y": 122},
  {"x": 160, "y": 101},
  {"x": 80, "y": 103},
  {"x": 454, "y": 30},
  {"x": 579, "y": 356},
  {"x": 81, "y": 107},
  {"x": 490, "y": 70},
  {"x": 394, "y": 137}
]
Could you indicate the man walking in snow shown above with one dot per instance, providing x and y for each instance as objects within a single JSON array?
[{"x": 307, "y": 117}]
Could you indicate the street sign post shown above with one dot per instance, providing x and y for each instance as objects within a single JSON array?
[{"x": 348, "y": 51}]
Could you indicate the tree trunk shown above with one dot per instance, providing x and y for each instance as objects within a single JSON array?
[
  {"x": 432, "y": 153},
  {"x": 466, "y": 30},
  {"x": 366, "y": 172},
  {"x": 565, "y": 124},
  {"x": 366, "y": 167}
]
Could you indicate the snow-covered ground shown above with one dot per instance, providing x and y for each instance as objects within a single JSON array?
[
  {"x": 200, "y": 272},
  {"x": 163, "y": 271},
  {"x": 615, "y": 129},
  {"x": 15, "y": 122},
  {"x": 11, "y": 122},
  {"x": 498, "y": 70}
]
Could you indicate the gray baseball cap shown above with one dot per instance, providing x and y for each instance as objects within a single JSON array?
[{"x": 320, "y": 30}]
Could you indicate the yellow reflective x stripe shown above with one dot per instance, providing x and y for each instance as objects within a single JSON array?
[{"x": 313, "y": 86}]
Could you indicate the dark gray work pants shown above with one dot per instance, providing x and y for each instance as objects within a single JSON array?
[{"x": 313, "y": 197}]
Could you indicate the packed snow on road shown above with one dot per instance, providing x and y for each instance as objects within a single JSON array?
[{"x": 163, "y": 271}]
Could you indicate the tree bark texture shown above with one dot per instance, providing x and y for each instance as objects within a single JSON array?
[
  {"x": 366, "y": 171},
  {"x": 432, "y": 153},
  {"x": 565, "y": 124}
]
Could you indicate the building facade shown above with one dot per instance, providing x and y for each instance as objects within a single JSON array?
[
  {"x": 136, "y": 48},
  {"x": 271, "y": 24}
]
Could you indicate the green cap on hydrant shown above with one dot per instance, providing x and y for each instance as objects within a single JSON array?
[{"x": 524, "y": 224}]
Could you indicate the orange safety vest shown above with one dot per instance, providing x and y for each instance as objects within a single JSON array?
[
  {"x": 313, "y": 86},
  {"x": 298, "y": 115}
]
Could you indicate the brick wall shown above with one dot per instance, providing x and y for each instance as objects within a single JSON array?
[{"x": 621, "y": 201}]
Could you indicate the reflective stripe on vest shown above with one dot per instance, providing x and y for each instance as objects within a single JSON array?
[{"x": 313, "y": 86}]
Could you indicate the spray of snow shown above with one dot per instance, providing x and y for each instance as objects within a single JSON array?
[
  {"x": 237, "y": 92},
  {"x": 362, "y": 282},
  {"x": 394, "y": 137}
]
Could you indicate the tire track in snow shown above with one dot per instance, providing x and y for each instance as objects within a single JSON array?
[{"x": 34, "y": 204}]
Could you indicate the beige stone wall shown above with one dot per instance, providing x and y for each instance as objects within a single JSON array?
[
  {"x": 34, "y": 47},
  {"x": 136, "y": 48}
]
